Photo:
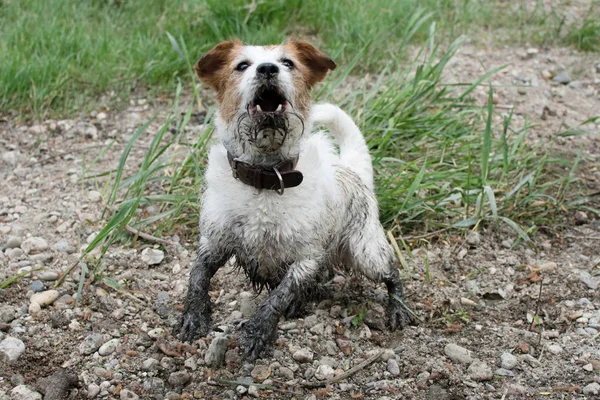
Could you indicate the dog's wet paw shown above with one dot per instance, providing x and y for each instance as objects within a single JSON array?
[
  {"x": 192, "y": 326},
  {"x": 256, "y": 338},
  {"x": 399, "y": 316}
]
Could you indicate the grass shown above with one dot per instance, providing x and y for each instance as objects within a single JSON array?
[{"x": 71, "y": 56}]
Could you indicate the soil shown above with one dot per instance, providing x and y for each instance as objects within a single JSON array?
[{"x": 485, "y": 292}]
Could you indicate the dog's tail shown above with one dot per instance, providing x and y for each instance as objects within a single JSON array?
[{"x": 354, "y": 153}]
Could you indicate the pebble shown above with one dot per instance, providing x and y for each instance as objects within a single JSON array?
[
  {"x": 504, "y": 372},
  {"x": 94, "y": 196},
  {"x": 7, "y": 314},
  {"x": 555, "y": 349},
  {"x": 303, "y": 355},
  {"x": 11, "y": 349},
  {"x": 588, "y": 367},
  {"x": 127, "y": 394},
  {"x": 318, "y": 329},
  {"x": 34, "y": 244},
  {"x": 152, "y": 256},
  {"x": 287, "y": 326},
  {"x": 64, "y": 247},
  {"x": 508, "y": 361},
  {"x": 45, "y": 298},
  {"x": 473, "y": 239},
  {"x": 588, "y": 280},
  {"x": 179, "y": 378},
  {"x": 157, "y": 333},
  {"x": 562, "y": 77},
  {"x": 286, "y": 373},
  {"x": 253, "y": 391},
  {"x": 47, "y": 275},
  {"x": 93, "y": 390},
  {"x": 324, "y": 372},
  {"x": 13, "y": 242},
  {"x": 37, "y": 286},
  {"x": 108, "y": 347},
  {"x": 467, "y": 302},
  {"x": 34, "y": 308},
  {"x": 215, "y": 354},
  {"x": 480, "y": 371},
  {"x": 14, "y": 254},
  {"x": 458, "y": 354},
  {"x": 23, "y": 392},
  {"x": 393, "y": 367},
  {"x": 260, "y": 373},
  {"x": 592, "y": 389},
  {"x": 91, "y": 343}
]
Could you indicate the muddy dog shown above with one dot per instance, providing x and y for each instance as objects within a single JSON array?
[{"x": 281, "y": 199}]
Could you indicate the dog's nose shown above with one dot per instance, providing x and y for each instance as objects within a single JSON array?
[{"x": 268, "y": 70}]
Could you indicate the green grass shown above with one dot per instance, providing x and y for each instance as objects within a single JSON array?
[{"x": 61, "y": 56}]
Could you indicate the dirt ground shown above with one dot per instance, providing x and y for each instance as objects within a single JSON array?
[{"x": 501, "y": 319}]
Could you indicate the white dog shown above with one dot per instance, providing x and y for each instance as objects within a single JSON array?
[{"x": 279, "y": 198}]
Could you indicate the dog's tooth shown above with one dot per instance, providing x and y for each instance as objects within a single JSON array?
[
  {"x": 279, "y": 107},
  {"x": 258, "y": 109}
]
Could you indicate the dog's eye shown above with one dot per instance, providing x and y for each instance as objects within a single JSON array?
[
  {"x": 288, "y": 63},
  {"x": 242, "y": 66}
]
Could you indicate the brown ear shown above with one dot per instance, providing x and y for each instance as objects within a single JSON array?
[
  {"x": 317, "y": 62},
  {"x": 209, "y": 67}
]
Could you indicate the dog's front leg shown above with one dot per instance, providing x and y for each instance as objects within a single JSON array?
[
  {"x": 261, "y": 329},
  {"x": 195, "y": 319}
]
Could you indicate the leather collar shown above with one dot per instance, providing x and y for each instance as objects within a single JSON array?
[{"x": 278, "y": 177}]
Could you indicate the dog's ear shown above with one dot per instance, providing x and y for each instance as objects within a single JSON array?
[
  {"x": 210, "y": 67},
  {"x": 317, "y": 62}
]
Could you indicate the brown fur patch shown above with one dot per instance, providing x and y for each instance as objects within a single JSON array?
[{"x": 315, "y": 64}]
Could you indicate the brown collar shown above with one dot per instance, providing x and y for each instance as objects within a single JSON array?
[{"x": 278, "y": 177}]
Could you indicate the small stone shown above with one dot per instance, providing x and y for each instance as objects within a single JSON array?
[
  {"x": 253, "y": 391},
  {"x": 504, "y": 372},
  {"x": 285, "y": 373},
  {"x": 91, "y": 343},
  {"x": 34, "y": 308},
  {"x": 93, "y": 390},
  {"x": 64, "y": 247},
  {"x": 458, "y": 354},
  {"x": 473, "y": 239},
  {"x": 581, "y": 217},
  {"x": 45, "y": 298},
  {"x": 48, "y": 275},
  {"x": 562, "y": 77},
  {"x": 149, "y": 364},
  {"x": 7, "y": 314},
  {"x": 467, "y": 302},
  {"x": 241, "y": 390},
  {"x": 11, "y": 349},
  {"x": 303, "y": 355},
  {"x": 507, "y": 244},
  {"x": 588, "y": 367},
  {"x": 94, "y": 196},
  {"x": 480, "y": 371},
  {"x": 13, "y": 242},
  {"x": 127, "y": 394},
  {"x": 14, "y": 254},
  {"x": 555, "y": 349},
  {"x": 215, "y": 354},
  {"x": 108, "y": 347},
  {"x": 287, "y": 326},
  {"x": 393, "y": 367},
  {"x": 34, "y": 245},
  {"x": 179, "y": 378},
  {"x": 260, "y": 373},
  {"x": 324, "y": 372},
  {"x": 588, "y": 280},
  {"x": 508, "y": 361},
  {"x": 152, "y": 256},
  {"x": 23, "y": 392},
  {"x": 157, "y": 333},
  {"x": 592, "y": 389},
  {"x": 532, "y": 51},
  {"x": 37, "y": 286},
  {"x": 318, "y": 329}
]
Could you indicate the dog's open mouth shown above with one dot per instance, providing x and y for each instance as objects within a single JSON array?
[{"x": 268, "y": 100}]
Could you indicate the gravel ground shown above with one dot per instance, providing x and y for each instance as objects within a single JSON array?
[{"x": 482, "y": 306}]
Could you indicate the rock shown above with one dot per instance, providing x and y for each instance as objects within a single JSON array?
[
  {"x": 588, "y": 280},
  {"x": 108, "y": 347},
  {"x": 253, "y": 391},
  {"x": 34, "y": 308},
  {"x": 215, "y": 355},
  {"x": 48, "y": 275},
  {"x": 14, "y": 254},
  {"x": 11, "y": 349},
  {"x": 152, "y": 256},
  {"x": 285, "y": 373},
  {"x": 324, "y": 372},
  {"x": 37, "y": 286},
  {"x": 241, "y": 390},
  {"x": 179, "y": 378},
  {"x": 592, "y": 389},
  {"x": 23, "y": 392},
  {"x": 479, "y": 371},
  {"x": 260, "y": 373},
  {"x": 7, "y": 314},
  {"x": 157, "y": 333},
  {"x": 376, "y": 317},
  {"x": 127, "y": 394},
  {"x": 581, "y": 218},
  {"x": 64, "y": 247},
  {"x": 45, "y": 298},
  {"x": 13, "y": 242},
  {"x": 318, "y": 329},
  {"x": 473, "y": 239},
  {"x": 303, "y": 355},
  {"x": 588, "y": 367},
  {"x": 508, "y": 361},
  {"x": 149, "y": 364},
  {"x": 288, "y": 325},
  {"x": 555, "y": 349},
  {"x": 91, "y": 343},
  {"x": 467, "y": 302},
  {"x": 458, "y": 354},
  {"x": 532, "y": 51},
  {"x": 10, "y": 157},
  {"x": 393, "y": 367},
  {"x": 94, "y": 196},
  {"x": 93, "y": 390},
  {"x": 504, "y": 372},
  {"x": 34, "y": 245},
  {"x": 562, "y": 77}
]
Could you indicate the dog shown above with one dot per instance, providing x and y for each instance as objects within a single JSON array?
[{"x": 281, "y": 200}]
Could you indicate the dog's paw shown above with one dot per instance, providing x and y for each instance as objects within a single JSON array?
[
  {"x": 256, "y": 338},
  {"x": 192, "y": 326},
  {"x": 399, "y": 316}
]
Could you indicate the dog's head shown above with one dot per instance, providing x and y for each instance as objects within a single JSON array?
[{"x": 263, "y": 93}]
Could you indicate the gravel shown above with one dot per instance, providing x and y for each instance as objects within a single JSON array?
[
  {"x": 91, "y": 343},
  {"x": 11, "y": 349},
  {"x": 480, "y": 371},
  {"x": 508, "y": 361},
  {"x": 215, "y": 355},
  {"x": 23, "y": 392},
  {"x": 34, "y": 245},
  {"x": 303, "y": 355},
  {"x": 562, "y": 77},
  {"x": 152, "y": 256},
  {"x": 458, "y": 354}
]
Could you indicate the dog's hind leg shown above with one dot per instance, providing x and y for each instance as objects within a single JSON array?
[
  {"x": 195, "y": 319},
  {"x": 261, "y": 329}
]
